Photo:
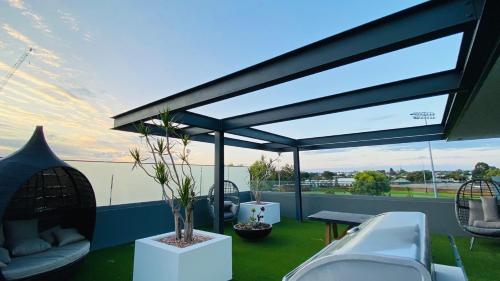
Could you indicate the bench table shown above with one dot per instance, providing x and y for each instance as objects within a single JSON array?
[{"x": 331, "y": 219}]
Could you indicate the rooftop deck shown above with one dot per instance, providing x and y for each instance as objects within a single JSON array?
[{"x": 290, "y": 244}]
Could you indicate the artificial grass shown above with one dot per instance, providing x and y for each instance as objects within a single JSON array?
[
  {"x": 483, "y": 262},
  {"x": 441, "y": 250},
  {"x": 289, "y": 245},
  {"x": 393, "y": 193}
]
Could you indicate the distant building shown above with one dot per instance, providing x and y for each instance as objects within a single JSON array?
[
  {"x": 345, "y": 181},
  {"x": 400, "y": 181}
]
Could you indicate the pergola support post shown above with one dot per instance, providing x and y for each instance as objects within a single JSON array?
[
  {"x": 219, "y": 182},
  {"x": 298, "y": 188}
]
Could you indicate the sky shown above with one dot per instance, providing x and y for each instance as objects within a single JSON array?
[{"x": 94, "y": 59}]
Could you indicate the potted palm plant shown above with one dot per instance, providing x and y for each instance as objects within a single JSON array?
[
  {"x": 260, "y": 172},
  {"x": 171, "y": 256}
]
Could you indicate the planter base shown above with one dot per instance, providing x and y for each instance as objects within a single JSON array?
[
  {"x": 209, "y": 260},
  {"x": 253, "y": 234},
  {"x": 271, "y": 214}
]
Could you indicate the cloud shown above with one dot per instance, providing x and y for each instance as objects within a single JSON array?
[
  {"x": 46, "y": 56},
  {"x": 70, "y": 21},
  {"x": 17, "y": 35},
  {"x": 49, "y": 74},
  {"x": 77, "y": 119},
  {"x": 73, "y": 24},
  {"x": 87, "y": 36},
  {"x": 26, "y": 11}
]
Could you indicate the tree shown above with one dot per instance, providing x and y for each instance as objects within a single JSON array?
[
  {"x": 327, "y": 175},
  {"x": 457, "y": 175},
  {"x": 371, "y": 183},
  {"x": 418, "y": 176},
  {"x": 492, "y": 172},
  {"x": 480, "y": 170},
  {"x": 392, "y": 172},
  {"x": 305, "y": 175},
  {"x": 260, "y": 171},
  {"x": 287, "y": 173},
  {"x": 176, "y": 179}
]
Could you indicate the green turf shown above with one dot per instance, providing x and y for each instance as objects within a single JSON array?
[
  {"x": 393, "y": 193},
  {"x": 290, "y": 244},
  {"x": 441, "y": 250},
  {"x": 483, "y": 262}
]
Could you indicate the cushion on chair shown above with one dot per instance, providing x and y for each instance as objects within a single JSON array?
[
  {"x": 67, "y": 236},
  {"x": 20, "y": 230},
  {"x": 475, "y": 212},
  {"x": 54, "y": 258},
  {"x": 227, "y": 206},
  {"x": 490, "y": 209},
  {"x": 228, "y": 215},
  {"x": 28, "y": 247},
  {"x": 487, "y": 224},
  {"x": 2, "y": 235},
  {"x": 49, "y": 236},
  {"x": 4, "y": 256},
  {"x": 490, "y": 232}
]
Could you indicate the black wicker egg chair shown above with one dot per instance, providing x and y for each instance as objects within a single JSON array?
[
  {"x": 231, "y": 201},
  {"x": 36, "y": 185},
  {"x": 469, "y": 197}
]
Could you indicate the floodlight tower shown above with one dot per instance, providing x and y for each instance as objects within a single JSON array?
[{"x": 427, "y": 116}]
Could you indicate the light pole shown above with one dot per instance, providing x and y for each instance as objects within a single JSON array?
[
  {"x": 425, "y": 116},
  {"x": 279, "y": 169},
  {"x": 425, "y": 180}
]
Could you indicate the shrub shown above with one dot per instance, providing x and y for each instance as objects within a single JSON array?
[{"x": 370, "y": 183}]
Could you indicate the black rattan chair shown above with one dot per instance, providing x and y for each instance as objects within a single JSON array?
[
  {"x": 231, "y": 194},
  {"x": 35, "y": 184},
  {"x": 472, "y": 191}
]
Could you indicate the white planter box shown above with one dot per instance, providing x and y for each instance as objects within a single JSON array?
[
  {"x": 271, "y": 214},
  {"x": 210, "y": 260}
]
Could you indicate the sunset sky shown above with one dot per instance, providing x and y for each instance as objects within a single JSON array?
[{"x": 95, "y": 59}]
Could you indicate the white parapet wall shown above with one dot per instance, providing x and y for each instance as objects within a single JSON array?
[{"x": 209, "y": 261}]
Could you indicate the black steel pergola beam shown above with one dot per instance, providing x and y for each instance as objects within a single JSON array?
[
  {"x": 201, "y": 124},
  {"x": 249, "y": 133},
  {"x": 368, "y": 138},
  {"x": 421, "y": 23},
  {"x": 263, "y": 135},
  {"x": 235, "y": 142},
  {"x": 207, "y": 138},
  {"x": 375, "y": 135},
  {"x": 374, "y": 142},
  {"x": 463, "y": 52},
  {"x": 481, "y": 56},
  {"x": 408, "y": 89}
]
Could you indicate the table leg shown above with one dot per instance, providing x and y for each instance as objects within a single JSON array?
[
  {"x": 335, "y": 231},
  {"x": 345, "y": 231},
  {"x": 328, "y": 233}
]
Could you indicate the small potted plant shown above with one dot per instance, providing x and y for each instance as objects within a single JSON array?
[{"x": 254, "y": 228}]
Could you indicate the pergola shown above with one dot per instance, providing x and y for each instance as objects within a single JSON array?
[{"x": 471, "y": 86}]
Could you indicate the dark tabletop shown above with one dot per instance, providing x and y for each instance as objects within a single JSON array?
[{"x": 339, "y": 217}]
